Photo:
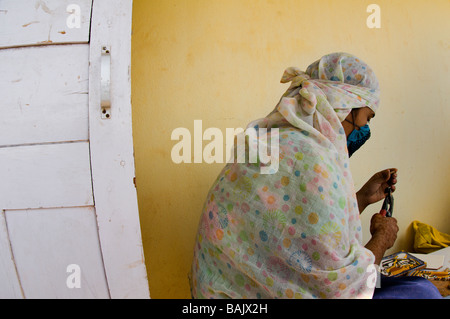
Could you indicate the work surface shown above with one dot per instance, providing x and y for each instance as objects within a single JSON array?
[
  {"x": 444, "y": 286},
  {"x": 446, "y": 253}
]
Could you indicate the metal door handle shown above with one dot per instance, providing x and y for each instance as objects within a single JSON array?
[{"x": 106, "y": 82}]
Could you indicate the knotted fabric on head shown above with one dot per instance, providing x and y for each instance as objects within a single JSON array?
[{"x": 319, "y": 99}]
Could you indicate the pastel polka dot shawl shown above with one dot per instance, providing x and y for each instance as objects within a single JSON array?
[{"x": 295, "y": 233}]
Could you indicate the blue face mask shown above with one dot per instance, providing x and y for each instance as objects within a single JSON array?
[{"x": 357, "y": 138}]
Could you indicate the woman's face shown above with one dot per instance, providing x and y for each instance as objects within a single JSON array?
[{"x": 359, "y": 117}]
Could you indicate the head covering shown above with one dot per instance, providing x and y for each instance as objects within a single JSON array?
[
  {"x": 356, "y": 79},
  {"x": 345, "y": 80},
  {"x": 319, "y": 99},
  {"x": 296, "y": 232}
]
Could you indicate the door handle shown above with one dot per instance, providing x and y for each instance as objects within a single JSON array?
[{"x": 106, "y": 82}]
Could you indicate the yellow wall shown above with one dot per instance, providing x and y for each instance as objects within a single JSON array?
[{"x": 221, "y": 62}]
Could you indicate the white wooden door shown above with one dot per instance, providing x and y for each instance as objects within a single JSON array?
[{"x": 69, "y": 223}]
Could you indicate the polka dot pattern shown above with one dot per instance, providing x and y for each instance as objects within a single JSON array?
[{"x": 295, "y": 233}]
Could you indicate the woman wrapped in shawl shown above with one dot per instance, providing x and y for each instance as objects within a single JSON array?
[{"x": 296, "y": 232}]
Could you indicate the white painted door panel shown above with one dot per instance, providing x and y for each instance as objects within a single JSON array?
[
  {"x": 44, "y": 94},
  {"x": 41, "y": 22},
  {"x": 10, "y": 286},
  {"x": 112, "y": 158},
  {"x": 64, "y": 237},
  {"x": 66, "y": 173},
  {"x": 45, "y": 176}
]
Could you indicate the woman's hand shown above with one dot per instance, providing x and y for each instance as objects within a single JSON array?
[
  {"x": 374, "y": 190},
  {"x": 385, "y": 227},
  {"x": 384, "y": 233}
]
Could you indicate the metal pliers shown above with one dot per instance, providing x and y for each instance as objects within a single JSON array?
[{"x": 388, "y": 205}]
